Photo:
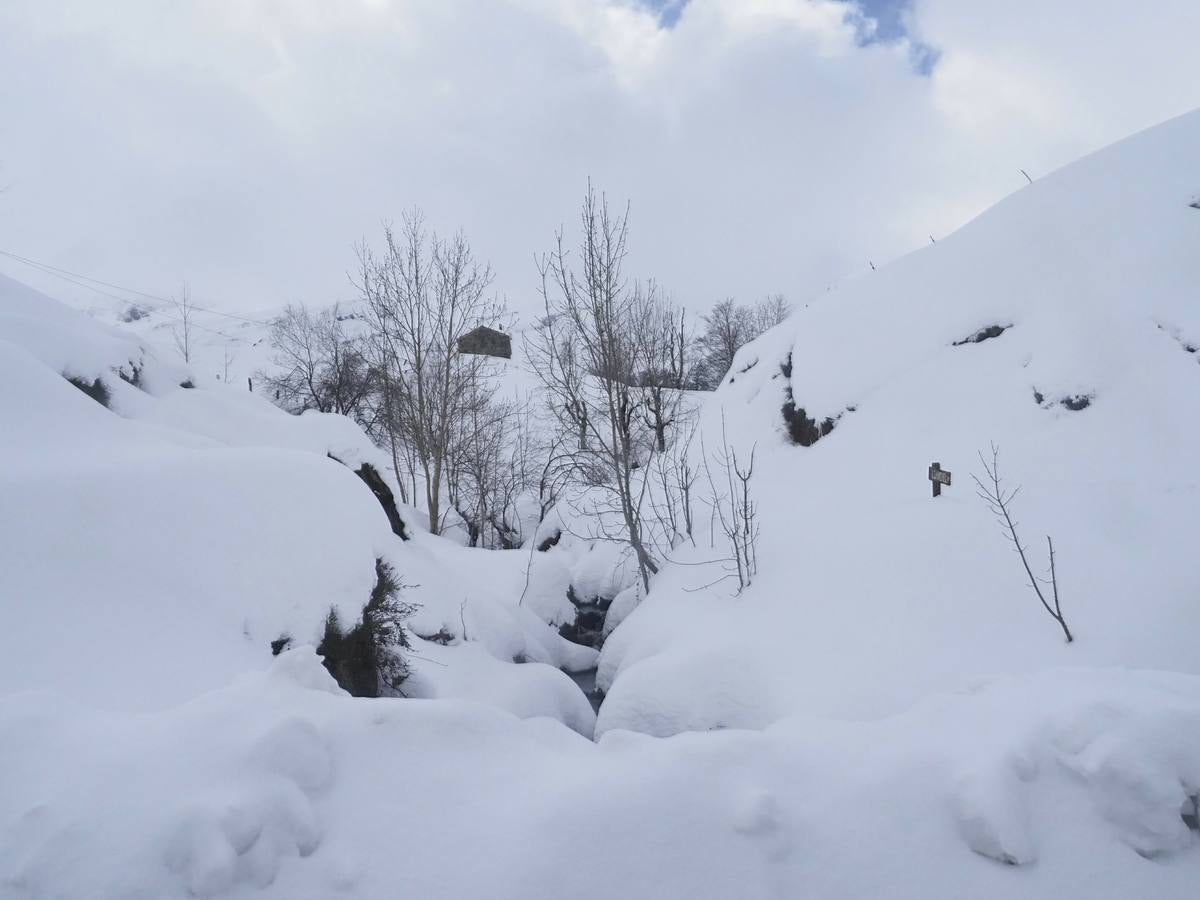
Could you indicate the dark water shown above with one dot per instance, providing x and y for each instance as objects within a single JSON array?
[{"x": 587, "y": 683}]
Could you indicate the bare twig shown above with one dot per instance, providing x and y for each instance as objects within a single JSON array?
[{"x": 991, "y": 490}]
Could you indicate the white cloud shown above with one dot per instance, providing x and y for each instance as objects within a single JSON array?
[{"x": 247, "y": 145}]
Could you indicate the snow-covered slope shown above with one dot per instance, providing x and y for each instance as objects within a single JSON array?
[
  {"x": 155, "y": 548},
  {"x": 871, "y": 593}
]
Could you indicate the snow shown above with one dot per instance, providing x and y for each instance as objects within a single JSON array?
[
  {"x": 279, "y": 786},
  {"x": 871, "y": 594},
  {"x": 885, "y": 711},
  {"x": 155, "y": 549}
]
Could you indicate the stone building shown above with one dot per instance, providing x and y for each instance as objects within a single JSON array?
[{"x": 485, "y": 341}]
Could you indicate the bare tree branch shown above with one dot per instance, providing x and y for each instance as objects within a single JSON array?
[{"x": 991, "y": 490}]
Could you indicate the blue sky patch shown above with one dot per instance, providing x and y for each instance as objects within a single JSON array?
[{"x": 888, "y": 16}]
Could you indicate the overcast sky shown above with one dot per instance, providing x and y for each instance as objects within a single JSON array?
[{"x": 765, "y": 145}]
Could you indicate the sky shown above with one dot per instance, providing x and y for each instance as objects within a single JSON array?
[{"x": 246, "y": 146}]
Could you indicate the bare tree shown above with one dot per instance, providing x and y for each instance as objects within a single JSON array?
[
  {"x": 587, "y": 355},
  {"x": 663, "y": 334},
  {"x": 727, "y": 328},
  {"x": 769, "y": 312},
  {"x": 321, "y": 366},
  {"x": 422, "y": 294},
  {"x": 183, "y": 331},
  {"x": 734, "y": 506},
  {"x": 491, "y": 471},
  {"x": 991, "y": 490}
]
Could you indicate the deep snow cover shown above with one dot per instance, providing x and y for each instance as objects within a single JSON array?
[
  {"x": 872, "y": 594},
  {"x": 886, "y": 711}
]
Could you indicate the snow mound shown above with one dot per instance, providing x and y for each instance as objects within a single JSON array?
[{"x": 279, "y": 785}]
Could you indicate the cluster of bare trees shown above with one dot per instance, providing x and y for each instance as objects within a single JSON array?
[
  {"x": 395, "y": 368},
  {"x": 612, "y": 357},
  {"x": 728, "y": 328},
  {"x": 321, "y": 365},
  {"x": 492, "y": 470}
]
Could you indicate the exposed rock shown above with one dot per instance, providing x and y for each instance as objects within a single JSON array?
[
  {"x": 984, "y": 334},
  {"x": 372, "y": 479},
  {"x": 95, "y": 389}
]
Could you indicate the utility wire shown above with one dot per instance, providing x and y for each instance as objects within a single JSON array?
[
  {"x": 68, "y": 275},
  {"x": 164, "y": 306}
]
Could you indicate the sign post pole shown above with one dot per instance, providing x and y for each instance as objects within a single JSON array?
[{"x": 938, "y": 476}]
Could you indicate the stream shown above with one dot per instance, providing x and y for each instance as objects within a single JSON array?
[{"x": 586, "y": 680}]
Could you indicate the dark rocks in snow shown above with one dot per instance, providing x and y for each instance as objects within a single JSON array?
[
  {"x": 983, "y": 334},
  {"x": 387, "y": 500},
  {"x": 1073, "y": 402},
  {"x": 96, "y": 389},
  {"x": 441, "y": 636},
  {"x": 133, "y": 313},
  {"x": 133, "y": 377},
  {"x": 187, "y": 384},
  {"x": 1190, "y": 812},
  {"x": 550, "y": 541},
  {"x": 588, "y": 627},
  {"x": 383, "y": 494},
  {"x": 1187, "y": 346},
  {"x": 802, "y": 429},
  {"x": 281, "y": 643}
]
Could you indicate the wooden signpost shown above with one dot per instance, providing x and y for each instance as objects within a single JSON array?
[{"x": 938, "y": 476}]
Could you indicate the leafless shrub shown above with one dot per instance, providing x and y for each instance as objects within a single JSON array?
[
  {"x": 991, "y": 490},
  {"x": 672, "y": 501},
  {"x": 734, "y": 507}
]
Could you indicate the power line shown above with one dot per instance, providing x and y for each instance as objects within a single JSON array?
[
  {"x": 68, "y": 275},
  {"x": 165, "y": 307}
]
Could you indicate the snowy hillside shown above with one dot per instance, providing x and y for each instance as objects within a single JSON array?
[
  {"x": 885, "y": 711},
  {"x": 201, "y": 524},
  {"x": 872, "y": 593}
]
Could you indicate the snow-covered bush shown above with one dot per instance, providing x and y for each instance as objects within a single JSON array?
[{"x": 368, "y": 655}]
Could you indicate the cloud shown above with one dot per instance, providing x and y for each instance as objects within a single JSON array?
[{"x": 247, "y": 144}]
